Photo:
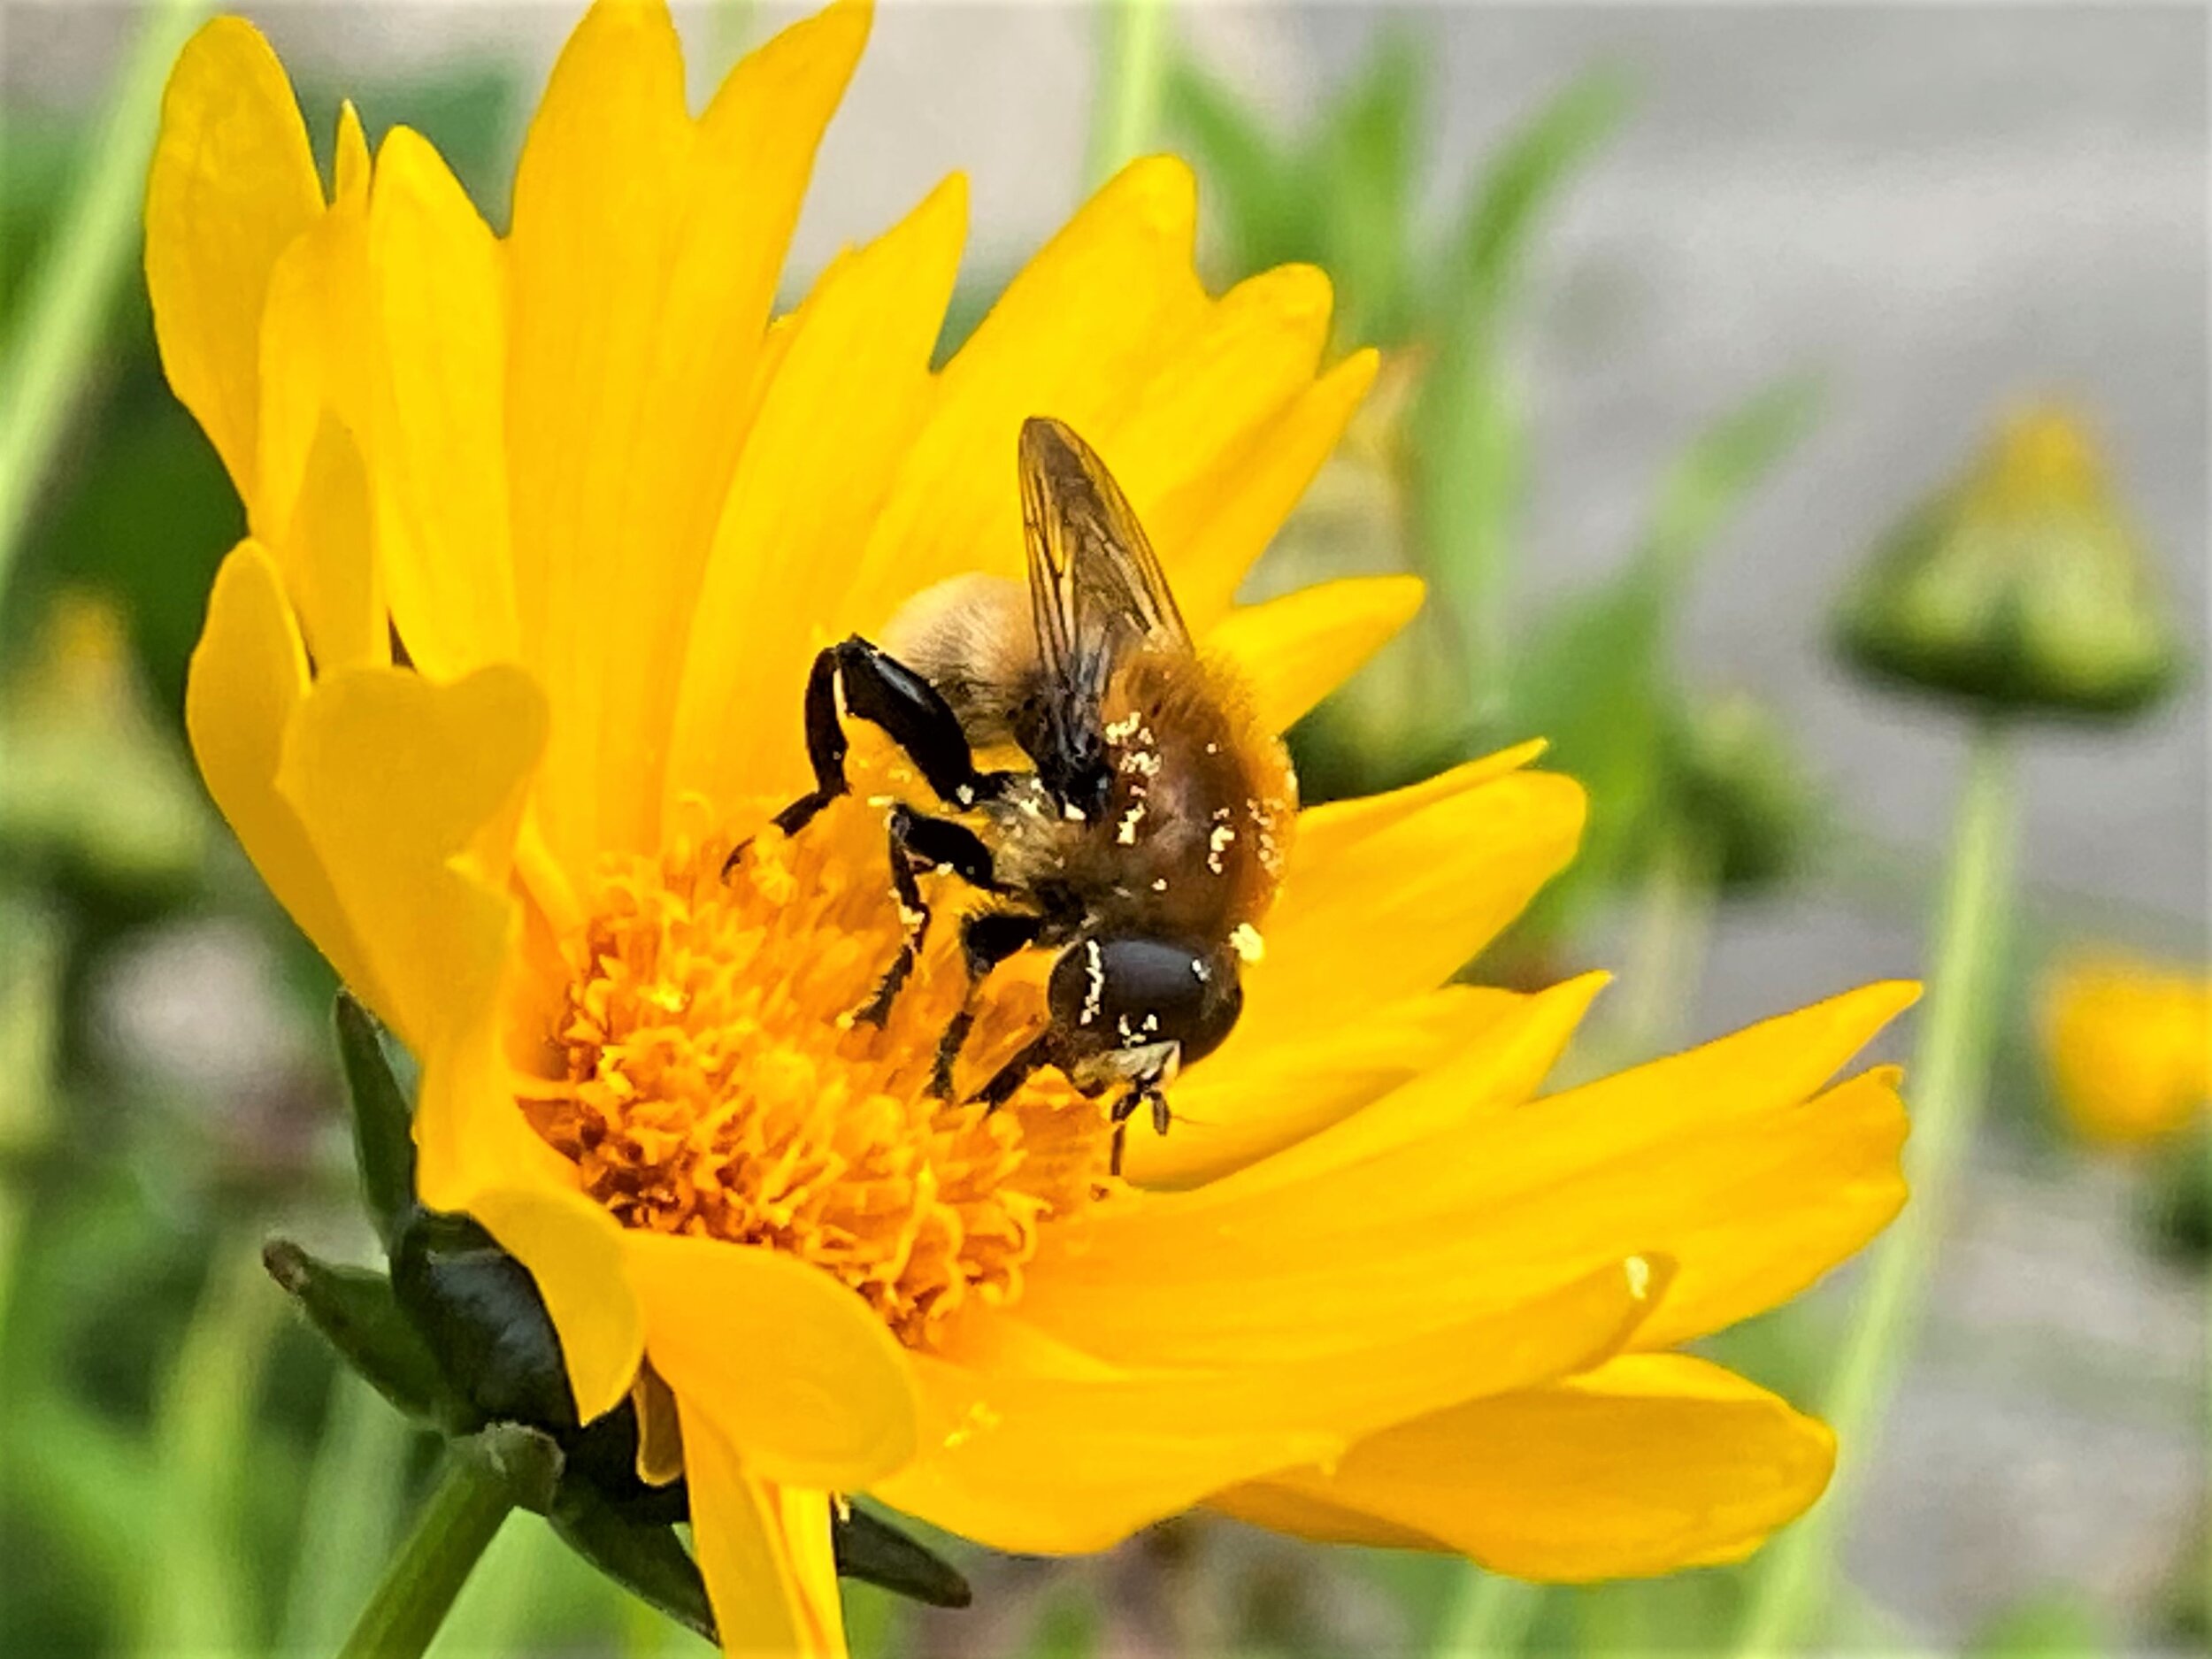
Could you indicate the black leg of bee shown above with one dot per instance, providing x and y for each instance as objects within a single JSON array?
[
  {"x": 1126, "y": 1107},
  {"x": 986, "y": 939},
  {"x": 919, "y": 843},
  {"x": 1035, "y": 1055},
  {"x": 885, "y": 692}
]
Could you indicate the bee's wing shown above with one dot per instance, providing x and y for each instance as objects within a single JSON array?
[
  {"x": 1095, "y": 584},
  {"x": 1096, "y": 590}
]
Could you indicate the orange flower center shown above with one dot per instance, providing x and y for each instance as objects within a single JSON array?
[{"x": 717, "y": 1083}]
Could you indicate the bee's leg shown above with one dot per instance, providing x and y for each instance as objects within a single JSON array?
[
  {"x": 1125, "y": 1109},
  {"x": 826, "y": 750},
  {"x": 1039, "y": 1052},
  {"x": 881, "y": 689},
  {"x": 986, "y": 939},
  {"x": 919, "y": 843}
]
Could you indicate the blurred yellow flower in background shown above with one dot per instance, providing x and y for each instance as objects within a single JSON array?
[
  {"x": 2129, "y": 1043},
  {"x": 545, "y": 529}
]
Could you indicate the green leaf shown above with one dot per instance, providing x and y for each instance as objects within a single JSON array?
[
  {"x": 358, "y": 1313},
  {"x": 1520, "y": 182},
  {"x": 1248, "y": 173},
  {"x": 1361, "y": 172},
  {"x": 1465, "y": 438},
  {"x": 1724, "y": 463},
  {"x": 383, "y": 1122},
  {"x": 1597, "y": 680},
  {"x": 872, "y": 1550},
  {"x": 648, "y": 1561}
]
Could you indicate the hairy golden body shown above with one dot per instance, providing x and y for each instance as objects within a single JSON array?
[{"x": 1191, "y": 842}]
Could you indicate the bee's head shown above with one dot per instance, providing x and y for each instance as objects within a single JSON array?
[{"x": 1119, "y": 1002}]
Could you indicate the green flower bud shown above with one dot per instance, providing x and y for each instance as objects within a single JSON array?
[{"x": 2022, "y": 586}]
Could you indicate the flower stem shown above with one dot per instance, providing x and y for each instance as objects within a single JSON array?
[
  {"x": 1126, "y": 108},
  {"x": 68, "y": 297},
  {"x": 1945, "y": 1085},
  {"x": 485, "y": 1478}
]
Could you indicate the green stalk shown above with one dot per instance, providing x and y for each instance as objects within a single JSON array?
[
  {"x": 1489, "y": 1616},
  {"x": 1126, "y": 108},
  {"x": 1789, "y": 1585},
  {"x": 355, "y": 1491},
  {"x": 68, "y": 299},
  {"x": 484, "y": 1479}
]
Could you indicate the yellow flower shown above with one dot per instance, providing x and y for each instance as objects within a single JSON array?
[
  {"x": 2129, "y": 1043},
  {"x": 545, "y": 528}
]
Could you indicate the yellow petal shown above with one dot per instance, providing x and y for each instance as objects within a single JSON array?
[
  {"x": 1468, "y": 1201},
  {"x": 1378, "y": 902},
  {"x": 835, "y": 419},
  {"x": 1048, "y": 1465},
  {"x": 1652, "y": 1463},
  {"x": 437, "y": 417},
  {"x": 313, "y": 356},
  {"x": 1295, "y": 651},
  {"x": 791, "y": 1367},
  {"x": 1258, "y": 1267},
  {"x": 1256, "y": 493},
  {"x": 1249, "y": 1101},
  {"x": 1755, "y": 1212},
  {"x": 1182, "y": 442},
  {"x": 248, "y": 677},
  {"x": 1082, "y": 323},
  {"x": 329, "y": 556},
  {"x": 410, "y": 792},
  {"x": 233, "y": 182},
  {"x": 760, "y": 1550},
  {"x": 645, "y": 256},
  {"x": 2129, "y": 1043}
]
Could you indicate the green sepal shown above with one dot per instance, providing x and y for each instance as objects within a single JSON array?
[
  {"x": 383, "y": 1123},
  {"x": 358, "y": 1314},
  {"x": 482, "y": 1314},
  {"x": 645, "y": 1558},
  {"x": 875, "y": 1552}
]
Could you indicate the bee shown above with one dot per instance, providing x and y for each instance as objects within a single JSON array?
[{"x": 1141, "y": 828}]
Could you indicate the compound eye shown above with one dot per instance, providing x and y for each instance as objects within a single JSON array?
[{"x": 1131, "y": 993}]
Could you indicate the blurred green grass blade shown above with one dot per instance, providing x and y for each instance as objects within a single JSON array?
[
  {"x": 1524, "y": 177},
  {"x": 32, "y": 960},
  {"x": 1489, "y": 1618},
  {"x": 1250, "y": 183},
  {"x": 196, "y": 1583},
  {"x": 1596, "y": 678},
  {"x": 1466, "y": 438},
  {"x": 350, "y": 1520},
  {"x": 1361, "y": 168},
  {"x": 1125, "y": 104},
  {"x": 529, "y": 1595},
  {"x": 87, "y": 1480},
  {"x": 1722, "y": 464},
  {"x": 55, "y": 337}
]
